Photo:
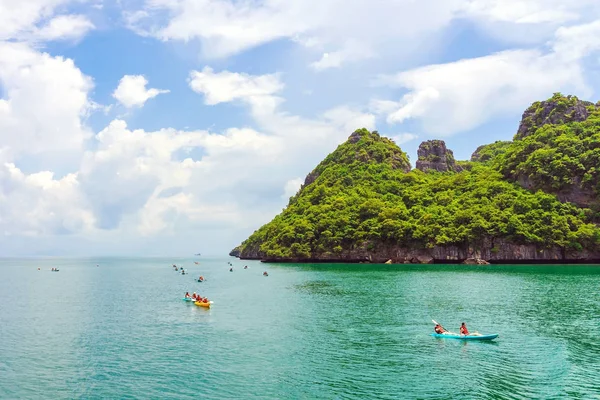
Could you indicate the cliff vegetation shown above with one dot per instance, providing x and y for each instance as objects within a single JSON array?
[{"x": 531, "y": 199}]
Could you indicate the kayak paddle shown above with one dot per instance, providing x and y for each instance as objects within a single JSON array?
[{"x": 435, "y": 322}]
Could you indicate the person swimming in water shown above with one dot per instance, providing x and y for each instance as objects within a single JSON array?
[{"x": 265, "y": 273}]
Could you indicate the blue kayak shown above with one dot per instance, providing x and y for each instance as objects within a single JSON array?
[
  {"x": 463, "y": 337},
  {"x": 184, "y": 299}
]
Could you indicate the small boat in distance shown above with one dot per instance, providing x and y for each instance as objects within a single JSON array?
[{"x": 203, "y": 304}]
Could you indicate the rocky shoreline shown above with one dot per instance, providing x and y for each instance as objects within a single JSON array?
[
  {"x": 497, "y": 251},
  {"x": 469, "y": 261}
]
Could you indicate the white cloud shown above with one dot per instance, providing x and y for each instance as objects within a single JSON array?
[
  {"x": 20, "y": 19},
  {"x": 260, "y": 92},
  {"x": 227, "y": 27},
  {"x": 35, "y": 126},
  {"x": 128, "y": 168},
  {"x": 414, "y": 104},
  {"x": 138, "y": 173},
  {"x": 379, "y": 106},
  {"x": 577, "y": 41},
  {"x": 459, "y": 96},
  {"x": 160, "y": 215},
  {"x": 17, "y": 16},
  {"x": 402, "y": 138},
  {"x": 168, "y": 182},
  {"x": 45, "y": 100},
  {"x": 133, "y": 182},
  {"x": 349, "y": 119},
  {"x": 65, "y": 27},
  {"x": 38, "y": 204},
  {"x": 527, "y": 11},
  {"x": 227, "y": 86},
  {"x": 527, "y": 22},
  {"x": 351, "y": 51},
  {"x": 291, "y": 187},
  {"x": 343, "y": 33},
  {"x": 132, "y": 91},
  {"x": 141, "y": 180}
]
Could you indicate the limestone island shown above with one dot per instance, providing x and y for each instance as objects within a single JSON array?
[{"x": 530, "y": 200}]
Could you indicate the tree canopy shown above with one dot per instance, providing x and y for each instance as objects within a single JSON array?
[{"x": 365, "y": 195}]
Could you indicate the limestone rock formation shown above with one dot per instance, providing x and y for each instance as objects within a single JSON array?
[
  {"x": 433, "y": 155},
  {"x": 495, "y": 252},
  {"x": 556, "y": 110},
  {"x": 475, "y": 261},
  {"x": 236, "y": 251}
]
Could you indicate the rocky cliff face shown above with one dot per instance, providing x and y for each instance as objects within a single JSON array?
[
  {"x": 476, "y": 156},
  {"x": 492, "y": 251},
  {"x": 556, "y": 110},
  {"x": 574, "y": 193},
  {"x": 433, "y": 155},
  {"x": 235, "y": 252}
]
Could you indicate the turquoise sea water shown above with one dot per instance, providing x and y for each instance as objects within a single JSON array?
[{"x": 121, "y": 330}]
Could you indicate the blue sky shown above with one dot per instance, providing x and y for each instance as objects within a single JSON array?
[{"x": 179, "y": 126}]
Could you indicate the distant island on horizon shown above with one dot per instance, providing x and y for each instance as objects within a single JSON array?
[{"x": 530, "y": 200}]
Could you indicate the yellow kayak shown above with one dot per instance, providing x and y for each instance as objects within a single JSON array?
[{"x": 202, "y": 304}]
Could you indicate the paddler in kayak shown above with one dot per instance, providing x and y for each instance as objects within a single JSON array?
[
  {"x": 463, "y": 329},
  {"x": 439, "y": 329},
  {"x": 187, "y": 295}
]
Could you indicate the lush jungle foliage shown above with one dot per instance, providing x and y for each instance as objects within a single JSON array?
[
  {"x": 360, "y": 195},
  {"x": 557, "y": 158},
  {"x": 489, "y": 152}
]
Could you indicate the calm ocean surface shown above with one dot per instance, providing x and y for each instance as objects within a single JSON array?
[{"x": 121, "y": 330}]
